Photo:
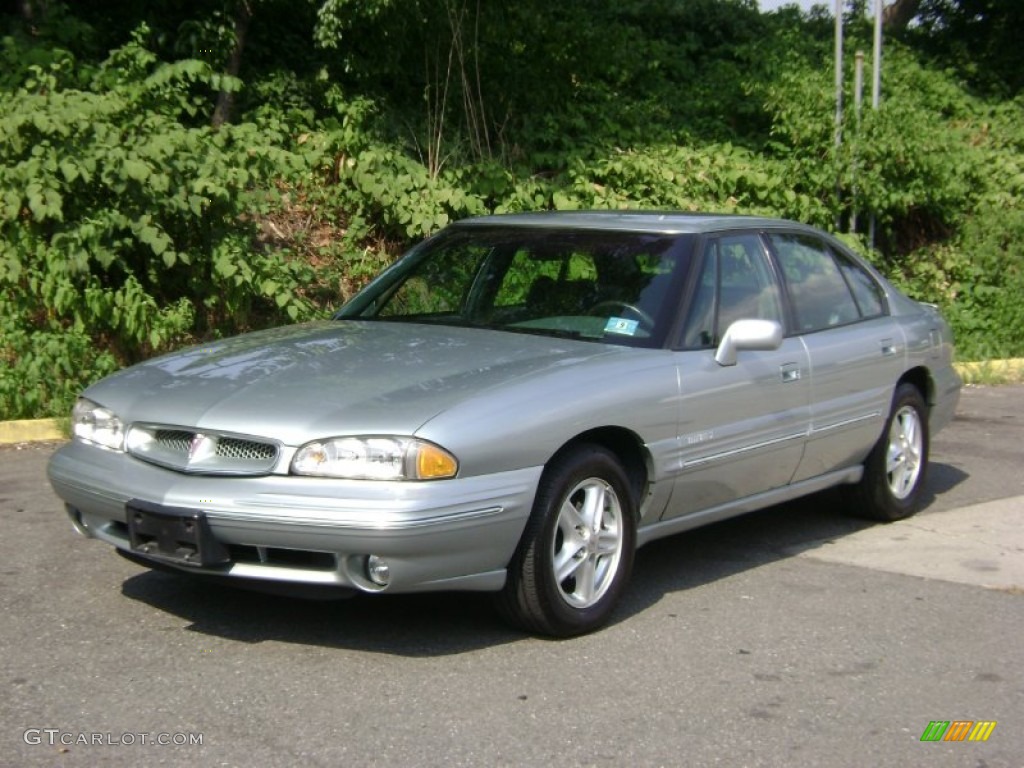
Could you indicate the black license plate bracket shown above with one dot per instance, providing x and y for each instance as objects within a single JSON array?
[{"x": 178, "y": 536}]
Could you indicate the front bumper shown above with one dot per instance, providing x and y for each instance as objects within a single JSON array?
[{"x": 443, "y": 535}]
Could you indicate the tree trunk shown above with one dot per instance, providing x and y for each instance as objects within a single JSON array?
[
  {"x": 898, "y": 15},
  {"x": 226, "y": 99},
  {"x": 32, "y": 11}
]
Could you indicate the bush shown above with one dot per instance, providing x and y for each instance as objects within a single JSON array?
[{"x": 125, "y": 221}]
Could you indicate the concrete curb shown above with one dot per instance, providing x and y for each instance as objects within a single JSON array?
[{"x": 33, "y": 430}]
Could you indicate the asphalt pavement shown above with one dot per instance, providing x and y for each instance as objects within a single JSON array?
[{"x": 793, "y": 636}]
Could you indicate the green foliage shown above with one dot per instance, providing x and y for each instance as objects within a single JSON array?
[
  {"x": 129, "y": 227},
  {"x": 940, "y": 171},
  {"x": 979, "y": 38},
  {"x": 719, "y": 177},
  {"x": 977, "y": 279},
  {"x": 915, "y": 166},
  {"x": 121, "y": 223},
  {"x": 908, "y": 163},
  {"x": 398, "y": 193},
  {"x": 42, "y": 371}
]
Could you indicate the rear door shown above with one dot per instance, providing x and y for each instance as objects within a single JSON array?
[
  {"x": 856, "y": 350},
  {"x": 742, "y": 427}
]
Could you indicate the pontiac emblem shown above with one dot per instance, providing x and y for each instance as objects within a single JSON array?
[{"x": 197, "y": 442}]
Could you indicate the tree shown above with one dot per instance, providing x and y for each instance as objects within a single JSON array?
[
  {"x": 980, "y": 38},
  {"x": 226, "y": 97}
]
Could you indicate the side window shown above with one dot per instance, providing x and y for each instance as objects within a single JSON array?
[
  {"x": 700, "y": 321},
  {"x": 821, "y": 298},
  {"x": 867, "y": 293},
  {"x": 736, "y": 283}
]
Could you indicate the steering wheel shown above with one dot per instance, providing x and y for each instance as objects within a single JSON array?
[{"x": 598, "y": 309}]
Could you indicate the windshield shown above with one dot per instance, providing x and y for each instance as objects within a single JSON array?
[{"x": 612, "y": 287}]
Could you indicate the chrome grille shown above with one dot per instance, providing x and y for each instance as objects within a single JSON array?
[
  {"x": 203, "y": 452},
  {"x": 248, "y": 450},
  {"x": 175, "y": 440}
]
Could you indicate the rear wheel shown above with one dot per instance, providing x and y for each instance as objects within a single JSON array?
[
  {"x": 896, "y": 468},
  {"x": 576, "y": 553}
]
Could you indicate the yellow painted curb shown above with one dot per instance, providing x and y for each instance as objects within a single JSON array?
[
  {"x": 29, "y": 430},
  {"x": 992, "y": 371}
]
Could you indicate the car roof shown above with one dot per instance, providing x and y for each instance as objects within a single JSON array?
[{"x": 662, "y": 222}]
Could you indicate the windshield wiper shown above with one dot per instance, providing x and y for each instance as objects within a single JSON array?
[{"x": 558, "y": 333}]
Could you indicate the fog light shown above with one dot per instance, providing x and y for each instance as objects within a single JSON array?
[{"x": 378, "y": 571}]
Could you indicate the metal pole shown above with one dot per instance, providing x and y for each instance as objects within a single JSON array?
[
  {"x": 876, "y": 92},
  {"x": 839, "y": 100},
  {"x": 858, "y": 100},
  {"x": 876, "y": 85}
]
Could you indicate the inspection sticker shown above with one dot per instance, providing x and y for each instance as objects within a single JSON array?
[{"x": 621, "y": 326}]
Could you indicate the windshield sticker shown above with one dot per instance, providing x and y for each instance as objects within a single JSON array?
[{"x": 621, "y": 326}]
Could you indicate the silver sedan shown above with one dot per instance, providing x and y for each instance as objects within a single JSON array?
[{"x": 516, "y": 406}]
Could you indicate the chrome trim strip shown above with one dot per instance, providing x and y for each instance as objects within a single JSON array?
[
  {"x": 739, "y": 451},
  {"x": 351, "y": 523},
  {"x": 811, "y": 433},
  {"x": 848, "y": 422}
]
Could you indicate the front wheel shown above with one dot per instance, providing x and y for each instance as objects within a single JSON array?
[
  {"x": 895, "y": 470},
  {"x": 576, "y": 553}
]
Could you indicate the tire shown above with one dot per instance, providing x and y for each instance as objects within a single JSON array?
[
  {"x": 576, "y": 553},
  {"x": 897, "y": 467}
]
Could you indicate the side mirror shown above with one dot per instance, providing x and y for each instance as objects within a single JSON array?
[{"x": 758, "y": 335}]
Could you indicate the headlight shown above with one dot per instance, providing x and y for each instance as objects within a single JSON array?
[
  {"x": 94, "y": 424},
  {"x": 375, "y": 458}
]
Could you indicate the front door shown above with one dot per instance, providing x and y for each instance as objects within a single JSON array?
[{"x": 742, "y": 427}]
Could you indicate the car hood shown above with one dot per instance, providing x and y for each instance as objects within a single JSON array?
[{"x": 329, "y": 378}]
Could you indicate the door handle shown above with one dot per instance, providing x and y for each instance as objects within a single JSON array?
[
  {"x": 888, "y": 348},
  {"x": 790, "y": 372}
]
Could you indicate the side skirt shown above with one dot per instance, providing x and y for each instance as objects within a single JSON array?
[{"x": 781, "y": 495}]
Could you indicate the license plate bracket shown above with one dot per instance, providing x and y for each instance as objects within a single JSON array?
[{"x": 178, "y": 536}]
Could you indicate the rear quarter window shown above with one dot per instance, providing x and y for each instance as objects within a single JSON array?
[
  {"x": 866, "y": 291},
  {"x": 819, "y": 292}
]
